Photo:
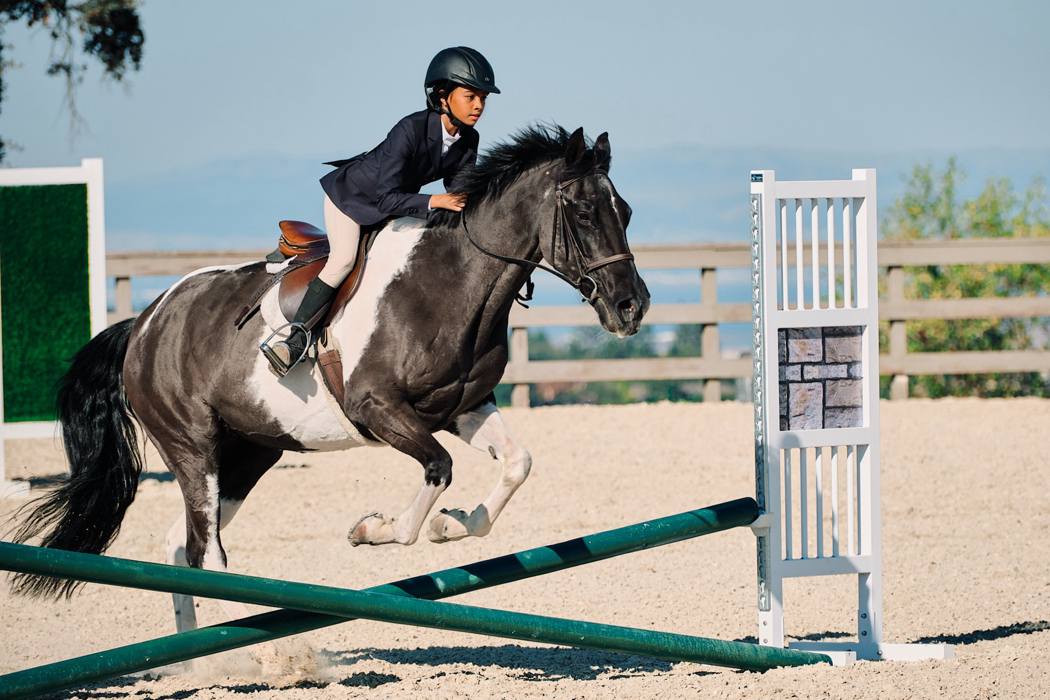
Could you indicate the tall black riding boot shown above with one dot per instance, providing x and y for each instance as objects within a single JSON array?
[{"x": 285, "y": 354}]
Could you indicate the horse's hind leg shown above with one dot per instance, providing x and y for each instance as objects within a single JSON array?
[
  {"x": 212, "y": 497},
  {"x": 185, "y": 613},
  {"x": 242, "y": 464},
  {"x": 484, "y": 429}
]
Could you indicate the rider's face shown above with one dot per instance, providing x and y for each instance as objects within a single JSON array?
[{"x": 466, "y": 104}]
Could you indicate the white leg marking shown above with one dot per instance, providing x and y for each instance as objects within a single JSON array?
[
  {"x": 185, "y": 614},
  {"x": 213, "y": 556},
  {"x": 485, "y": 430},
  {"x": 404, "y": 529}
]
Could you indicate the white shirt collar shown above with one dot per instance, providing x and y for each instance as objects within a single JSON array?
[{"x": 448, "y": 139}]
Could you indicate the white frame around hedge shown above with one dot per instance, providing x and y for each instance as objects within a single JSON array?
[{"x": 89, "y": 173}]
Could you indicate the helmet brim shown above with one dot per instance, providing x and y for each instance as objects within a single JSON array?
[{"x": 474, "y": 85}]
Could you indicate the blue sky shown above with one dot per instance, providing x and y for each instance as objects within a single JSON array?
[
  {"x": 222, "y": 131},
  {"x": 237, "y": 78}
]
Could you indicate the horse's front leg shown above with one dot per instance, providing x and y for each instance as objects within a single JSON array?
[
  {"x": 399, "y": 427},
  {"x": 484, "y": 429}
]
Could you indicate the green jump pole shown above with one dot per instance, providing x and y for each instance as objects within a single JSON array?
[{"x": 272, "y": 625}]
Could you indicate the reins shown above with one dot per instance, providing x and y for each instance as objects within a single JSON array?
[{"x": 558, "y": 230}]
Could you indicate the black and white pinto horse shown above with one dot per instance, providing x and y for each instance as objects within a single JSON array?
[{"x": 423, "y": 341}]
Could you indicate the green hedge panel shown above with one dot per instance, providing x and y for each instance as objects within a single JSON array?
[{"x": 44, "y": 292}]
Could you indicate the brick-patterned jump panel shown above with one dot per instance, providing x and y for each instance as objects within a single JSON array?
[{"x": 820, "y": 378}]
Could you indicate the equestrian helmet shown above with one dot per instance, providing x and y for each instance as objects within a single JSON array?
[{"x": 459, "y": 65}]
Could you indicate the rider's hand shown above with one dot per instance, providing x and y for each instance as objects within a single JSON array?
[{"x": 454, "y": 201}]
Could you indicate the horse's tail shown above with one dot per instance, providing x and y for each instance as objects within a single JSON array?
[{"x": 84, "y": 512}]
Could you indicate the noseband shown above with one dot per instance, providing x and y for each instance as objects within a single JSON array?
[{"x": 563, "y": 230}]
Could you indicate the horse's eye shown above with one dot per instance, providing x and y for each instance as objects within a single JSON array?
[{"x": 584, "y": 216}]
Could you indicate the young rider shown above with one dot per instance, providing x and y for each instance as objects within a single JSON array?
[{"x": 424, "y": 146}]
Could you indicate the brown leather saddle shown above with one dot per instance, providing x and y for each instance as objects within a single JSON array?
[{"x": 307, "y": 247}]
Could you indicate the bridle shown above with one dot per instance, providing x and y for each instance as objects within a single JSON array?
[{"x": 560, "y": 229}]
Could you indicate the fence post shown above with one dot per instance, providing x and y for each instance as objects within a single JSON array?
[
  {"x": 709, "y": 341},
  {"x": 122, "y": 298},
  {"x": 519, "y": 357},
  {"x": 898, "y": 332}
]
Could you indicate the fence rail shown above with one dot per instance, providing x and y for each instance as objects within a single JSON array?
[{"x": 707, "y": 259}]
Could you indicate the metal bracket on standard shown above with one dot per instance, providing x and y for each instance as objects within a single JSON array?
[{"x": 762, "y": 522}]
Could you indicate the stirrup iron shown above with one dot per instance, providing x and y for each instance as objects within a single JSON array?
[{"x": 276, "y": 363}]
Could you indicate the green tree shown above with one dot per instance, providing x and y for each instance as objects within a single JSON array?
[
  {"x": 109, "y": 31},
  {"x": 686, "y": 341},
  {"x": 931, "y": 209}
]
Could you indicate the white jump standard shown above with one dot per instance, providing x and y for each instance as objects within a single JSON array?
[{"x": 816, "y": 396}]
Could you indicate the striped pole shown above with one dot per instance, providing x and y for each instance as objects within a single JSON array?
[{"x": 320, "y": 606}]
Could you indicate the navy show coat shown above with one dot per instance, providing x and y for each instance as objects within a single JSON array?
[{"x": 385, "y": 181}]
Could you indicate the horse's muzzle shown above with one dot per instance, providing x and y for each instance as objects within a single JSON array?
[{"x": 629, "y": 312}]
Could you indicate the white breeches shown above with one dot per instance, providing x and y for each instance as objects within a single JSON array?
[{"x": 343, "y": 236}]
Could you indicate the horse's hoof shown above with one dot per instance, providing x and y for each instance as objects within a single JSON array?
[
  {"x": 448, "y": 526},
  {"x": 358, "y": 534}
]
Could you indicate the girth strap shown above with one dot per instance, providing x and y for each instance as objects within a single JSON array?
[{"x": 331, "y": 364}]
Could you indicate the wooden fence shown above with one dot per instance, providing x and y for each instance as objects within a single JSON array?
[{"x": 711, "y": 367}]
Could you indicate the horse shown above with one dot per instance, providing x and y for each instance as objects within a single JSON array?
[{"x": 423, "y": 343}]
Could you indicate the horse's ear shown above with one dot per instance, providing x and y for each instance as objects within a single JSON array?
[
  {"x": 602, "y": 152},
  {"x": 575, "y": 148}
]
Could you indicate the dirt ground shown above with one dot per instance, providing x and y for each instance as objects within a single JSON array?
[{"x": 966, "y": 510}]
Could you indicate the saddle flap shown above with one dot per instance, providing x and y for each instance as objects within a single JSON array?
[{"x": 294, "y": 283}]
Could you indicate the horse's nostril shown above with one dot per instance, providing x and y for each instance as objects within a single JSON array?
[{"x": 627, "y": 309}]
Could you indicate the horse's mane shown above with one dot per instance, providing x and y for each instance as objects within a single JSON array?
[{"x": 504, "y": 163}]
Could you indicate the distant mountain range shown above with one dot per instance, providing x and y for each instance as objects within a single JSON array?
[{"x": 689, "y": 193}]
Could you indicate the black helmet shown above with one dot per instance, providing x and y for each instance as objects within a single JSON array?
[{"x": 460, "y": 65}]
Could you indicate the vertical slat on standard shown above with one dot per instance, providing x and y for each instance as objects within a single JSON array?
[
  {"x": 784, "y": 255},
  {"x": 800, "y": 267},
  {"x": 835, "y": 501},
  {"x": 818, "y": 469},
  {"x": 847, "y": 257},
  {"x": 803, "y": 492},
  {"x": 814, "y": 226},
  {"x": 789, "y": 541},
  {"x": 851, "y": 504},
  {"x": 831, "y": 252},
  {"x": 859, "y": 453}
]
